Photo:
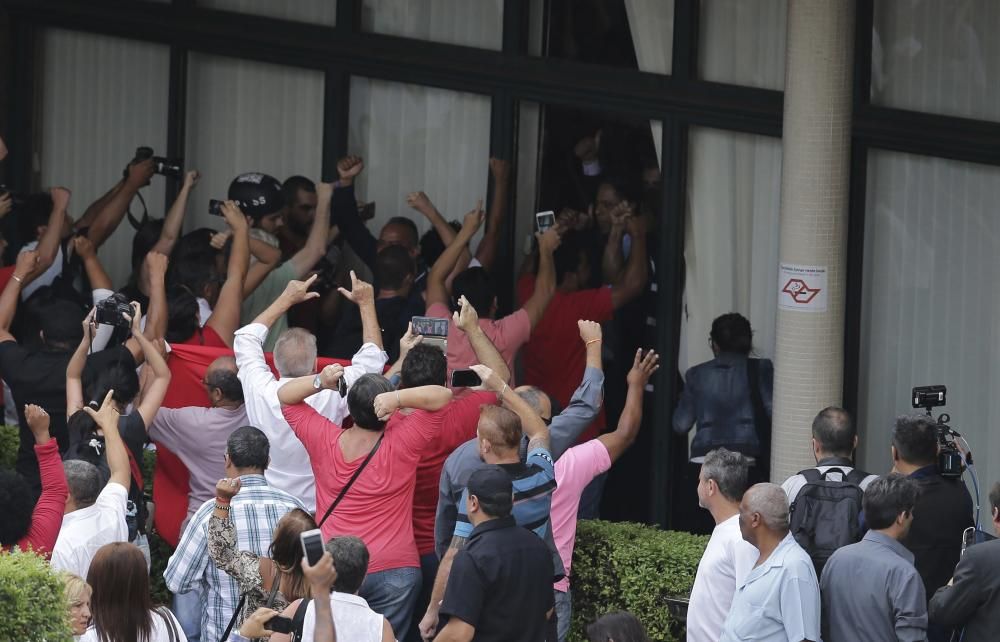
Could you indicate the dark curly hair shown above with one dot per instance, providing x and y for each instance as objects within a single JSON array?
[
  {"x": 424, "y": 365},
  {"x": 16, "y": 506}
]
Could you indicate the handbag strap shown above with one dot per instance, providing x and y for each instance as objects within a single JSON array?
[
  {"x": 275, "y": 583},
  {"x": 354, "y": 477},
  {"x": 232, "y": 620},
  {"x": 299, "y": 619}
]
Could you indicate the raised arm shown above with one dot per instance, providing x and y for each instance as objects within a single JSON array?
[
  {"x": 98, "y": 278},
  {"x": 295, "y": 292},
  {"x": 175, "y": 215},
  {"x": 363, "y": 294},
  {"x": 156, "y": 389},
  {"x": 95, "y": 208},
  {"x": 430, "y": 398},
  {"x": 74, "y": 369},
  {"x": 487, "y": 251},
  {"x": 633, "y": 279},
  {"x": 467, "y": 320},
  {"x": 531, "y": 424},
  {"x": 315, "y": 246},
  {"x": 437, "y": 290},
  {"x": 156, "y": 315},
  {"x": 299, "y": 389},
  {"x": 624, "y": 435},
  {"x": 568, "y": 425},
  {"x": 613, "y": 260},
  {"x": 24, "y": 271},
  {"x": 422, "y": 203},
  {"x": 406, "y": 343},
  {"x": 48, "y": 244},
  {"x": 357, "y": 235},
  {"x": 268, "y": 257},
  {"x": 225, "y": 317},
  {"x": 545, "y": 282},
  {"x": 107, "y": 420},
  {"x": 106, "y": 221}
]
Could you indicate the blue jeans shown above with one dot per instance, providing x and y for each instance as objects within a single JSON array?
[
  {"x": 564, "y": 612},
  {"x": 428, "y": 571},
  {"x": 393, "y": 593},
  {"x": 187, "y": 608}
]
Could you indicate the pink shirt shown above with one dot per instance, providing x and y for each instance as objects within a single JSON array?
[
  {"x": 378, "y": 508},
  {"x": 507, "y": 334},
  {"x": 574, "y": 470}
]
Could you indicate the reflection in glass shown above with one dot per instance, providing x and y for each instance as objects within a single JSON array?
[{"x": 473, "y": 24}]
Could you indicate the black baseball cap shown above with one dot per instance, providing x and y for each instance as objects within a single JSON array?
[
  {"x": 258, "y": 194},
  {"x": 490, "y": 482}
]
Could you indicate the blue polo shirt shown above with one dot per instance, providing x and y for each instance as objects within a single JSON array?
[{"x": 779, "y": 601}]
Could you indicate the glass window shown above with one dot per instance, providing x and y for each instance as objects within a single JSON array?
[
  {"x": 743, "y": 43},
  {"x": 633, "y": 34},
  {"x": 929, "y": 310},
  {"x": 101, "y": 97},
  {"x": 245, "y": 116},
  {"x": 416, "y": 138},
  {"x": 456, "y": 22},
  {"x": 939, "y": 57},
  {"x": 731, "y": 244},
  {"x": 322, "y": 12}
]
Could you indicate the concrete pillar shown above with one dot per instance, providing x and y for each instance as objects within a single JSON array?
[{"x": 815, "y": 177}]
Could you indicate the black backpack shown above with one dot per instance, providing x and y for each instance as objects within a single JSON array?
[{"x": 826, "y": 513}]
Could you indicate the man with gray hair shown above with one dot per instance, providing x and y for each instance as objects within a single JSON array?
[
  {"x": 779, "y": 601},
  {"x": 871, "y": 590},
  {"x": 94, "y": 517},
  {"x": 295, "y": 356},
  {"x": 728, "y": 558}
]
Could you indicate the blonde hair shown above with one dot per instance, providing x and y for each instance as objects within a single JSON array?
[{"x": 75, "y": 587}]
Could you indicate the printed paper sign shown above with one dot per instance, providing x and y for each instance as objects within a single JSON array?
[{"x": 802, "y": 287}]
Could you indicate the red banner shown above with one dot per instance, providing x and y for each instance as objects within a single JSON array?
[{"x": 170, "y": 480}]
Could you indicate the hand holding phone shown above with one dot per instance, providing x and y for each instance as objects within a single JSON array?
[
  {"x": 312, "y": 546},
  {"x": 545, "y": 220},
  {"x": 465, "y": 379}
]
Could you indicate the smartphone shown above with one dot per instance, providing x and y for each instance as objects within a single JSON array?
[
  {"x": 367, "y": 211},
  {"x": 545, "y": 220},
  {"x": 279, "y": 624},
  {"x": 312, "y": 546},
  {"x": 342, "y": 386},
  {"x": 434, "y": 330},
  {"x": 465, "y": 379},
  {"x": 215, "y": 207}
]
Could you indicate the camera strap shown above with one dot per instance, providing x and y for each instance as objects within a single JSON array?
[{"x": 133, "y": 221}]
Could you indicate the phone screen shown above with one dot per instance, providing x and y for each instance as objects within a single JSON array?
[
  {"x": 465, "y": 379},
  {"x": 279, "y": 624},
  {"x": 215, "y": 207},
  {"x": 545, "y": 220},
  {"x": 430, "y": 326},
  {"x": 312, "y": 546}
]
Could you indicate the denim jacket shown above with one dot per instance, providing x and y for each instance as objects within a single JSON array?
[{"x": 717, "y": 397}]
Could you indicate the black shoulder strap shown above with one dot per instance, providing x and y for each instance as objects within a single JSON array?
[
  {"x": 299, "y": 619},
  {"x": 275, "y": 583},
  {"x": 354, "y": 477},
  {"x": 232, "y": 620},
  {"x": 856, "y": 476},
  {"x": 811, "y": 474}
]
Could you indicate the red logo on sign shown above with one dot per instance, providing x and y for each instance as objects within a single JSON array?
[{"x": 800, "y": 291}]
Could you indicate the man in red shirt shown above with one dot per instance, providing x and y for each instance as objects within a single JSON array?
[
  {"x": 426, "y": 366},
  {"x": 507, "y": 334}
]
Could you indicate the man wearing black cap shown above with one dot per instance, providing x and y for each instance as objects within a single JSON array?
[
  {"x": 261, "y": 199},
  {"x": 501, "y": 582}
]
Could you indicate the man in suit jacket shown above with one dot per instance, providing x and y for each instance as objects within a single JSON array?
[{"x": 972, "y": 597}]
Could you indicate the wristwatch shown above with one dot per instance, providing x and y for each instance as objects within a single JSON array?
[{"x": 318, "y": 382}]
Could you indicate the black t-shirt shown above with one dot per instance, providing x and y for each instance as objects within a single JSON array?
[
  {"x": 38, "y": 376},
  {"x": 501, "y": 583},
  {"x": 91, "y": 448}
]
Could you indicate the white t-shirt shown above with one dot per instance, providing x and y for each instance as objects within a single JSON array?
[
  {"x": 158, "y": 634},
  {"x": 353, "y": 618},
  {"x": 727, "y": 561},
  {"x": 86, "y": 530}
]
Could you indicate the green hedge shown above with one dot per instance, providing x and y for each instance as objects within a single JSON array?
[
  {"x": 32, "y": 603},
  {"x": 631, "y": 567},
  {"x": 9, "y": 441}
]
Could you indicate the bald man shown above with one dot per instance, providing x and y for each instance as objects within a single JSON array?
[
  {"x": 198, "y": 435},
  {"x": 779, "y": 600}
]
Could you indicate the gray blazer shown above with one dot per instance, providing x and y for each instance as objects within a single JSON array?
[{"x": 973, "y": 599}]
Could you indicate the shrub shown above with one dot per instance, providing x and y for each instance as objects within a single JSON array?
[
  {"x": 632, "y": 567},
  {"x": 32, "y": 604},
  {"x": 9, "y": 441}
]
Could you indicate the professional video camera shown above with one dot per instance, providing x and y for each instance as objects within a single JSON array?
[
  {"x": 110, "y": 311},
  {"x": 161, "y": 165},
  {"x": 950, "y": 460}
]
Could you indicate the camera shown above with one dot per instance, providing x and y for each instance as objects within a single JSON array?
[
  {"x": 163, "y": 166},
  {"x": 110, "y": 311},
  {"x": 950, "y": 460}
]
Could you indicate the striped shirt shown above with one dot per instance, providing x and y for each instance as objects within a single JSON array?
[
  {"x": 533, "y": 483},
  {"x": 255, "y": 512}
]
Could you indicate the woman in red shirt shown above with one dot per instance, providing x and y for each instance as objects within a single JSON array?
[{"x": 28, "y": 525}]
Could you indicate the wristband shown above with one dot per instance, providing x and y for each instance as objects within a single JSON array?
[
  {"x": 398, "y": 402},
  {"x": 17, "y": 278},
  {"x": 593, "y": 341},
  {"x": 222, "y": 500},
  {"x": 502, "y": 390}
]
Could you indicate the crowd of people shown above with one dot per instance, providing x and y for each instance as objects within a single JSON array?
[{"x": 448, "y": 510}]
